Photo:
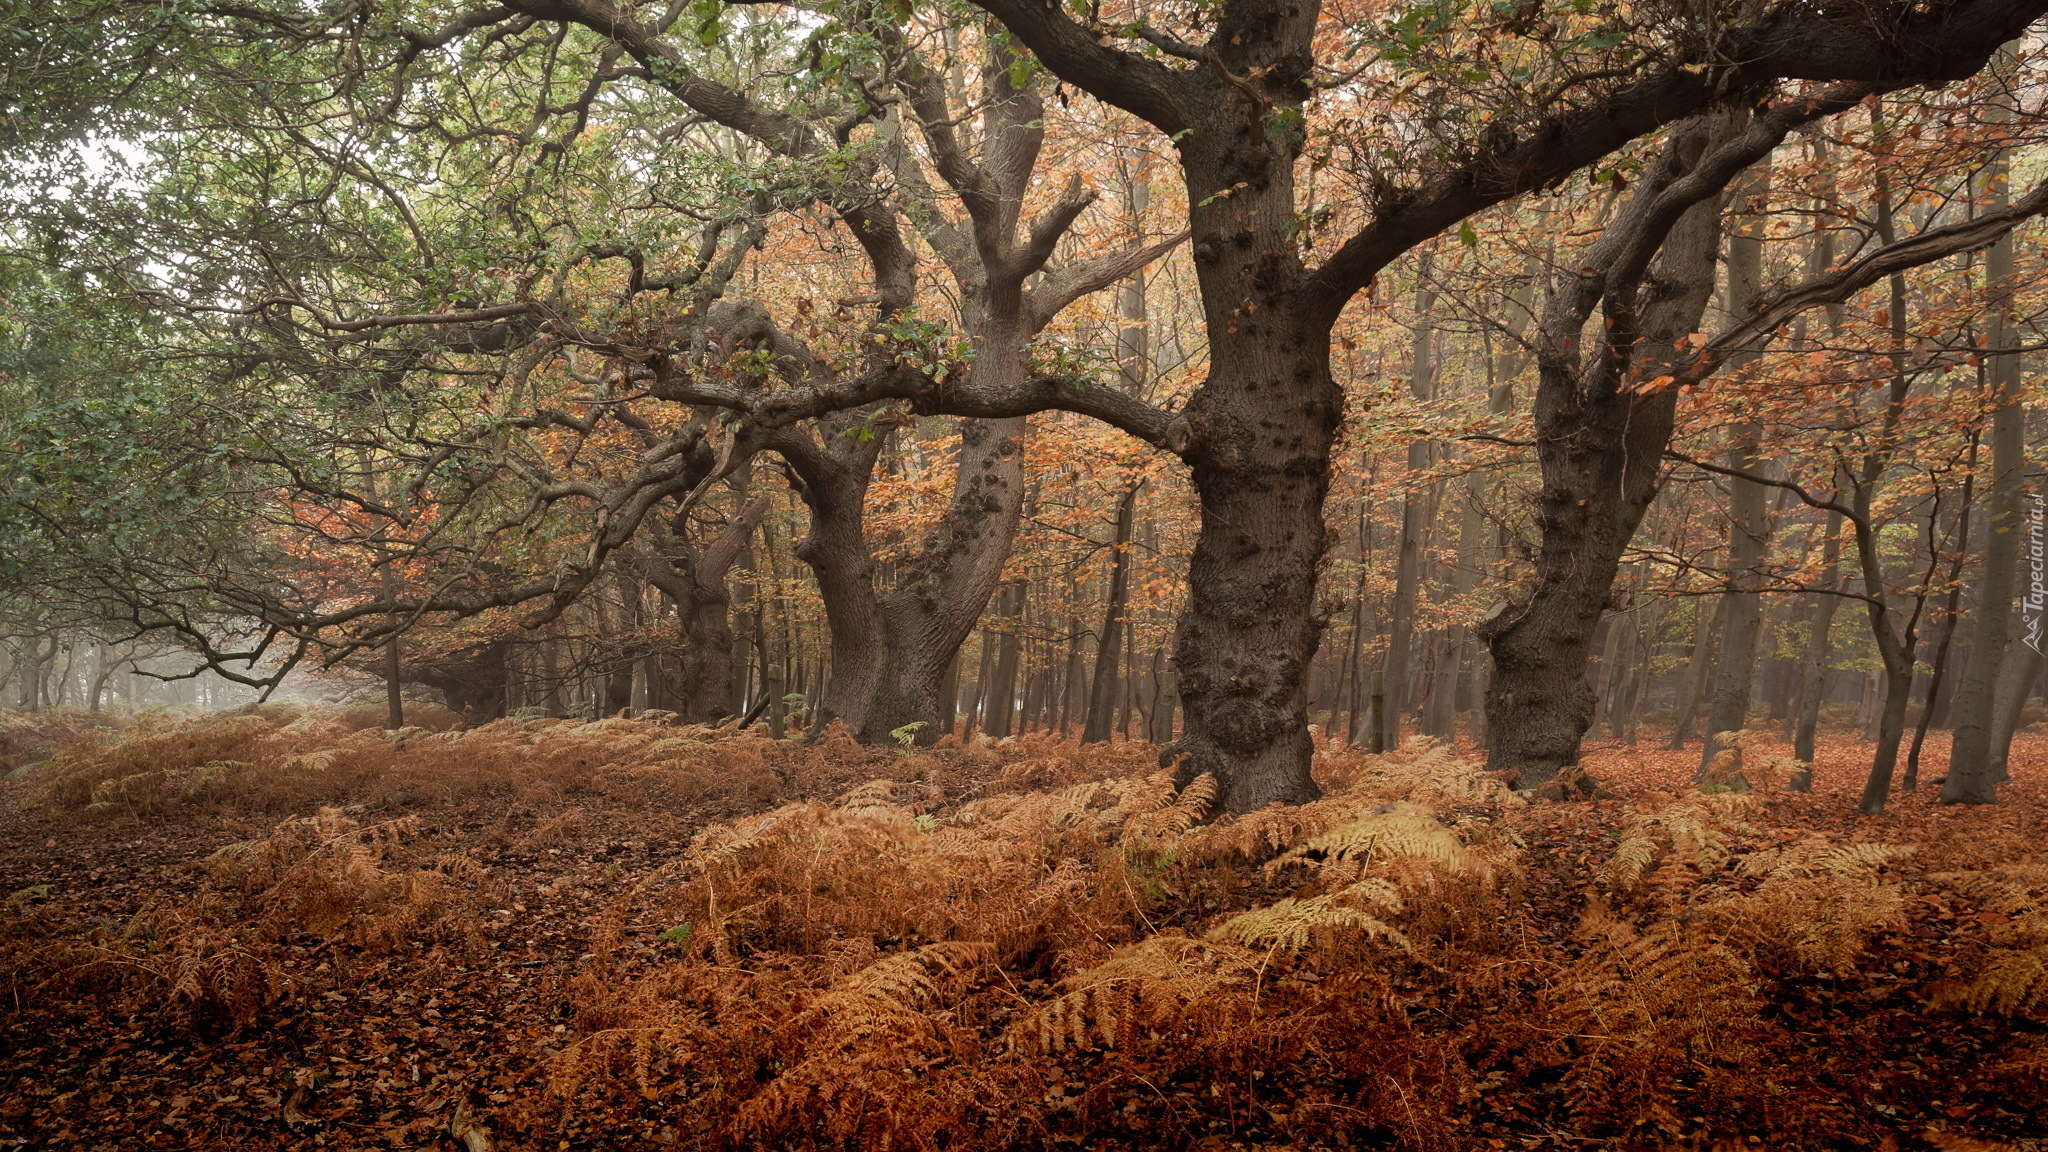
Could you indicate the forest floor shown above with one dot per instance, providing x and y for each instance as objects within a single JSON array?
[{"x": 272, "y": 932}]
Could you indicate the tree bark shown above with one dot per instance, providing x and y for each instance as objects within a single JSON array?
[
  {"x": 1748, "y": 511},
  {"x": 1937, "y": 672},
  {"x": 695, "y": 582},
  {"x": 1813, "y": 671},
  {"x": 1971, "y": 779},
  {"x": 1109, "y": 642},
  {"x": 1600, "y": 450},
  {"x": 1414, "y": 513}
]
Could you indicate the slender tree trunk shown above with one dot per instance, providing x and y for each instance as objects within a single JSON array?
[
  {"x": 1457, "y": 689},
  {"x": 1606, "y": 638},
  {"x": 1127, "y": 692},
  {"x": 550, "y": 670},
  {"x": 615, "y": 647},
  {"x": 1895, "y": 648},
  {"x": 1814, "y": 661},
  {"x": 1741, "y": 607},
  {"x": 1639, "y": 690},
  {"x": 1748, "y": 509},
  {"x": 2016, "y": 680},
  {"x": 978, "y": 697},
  {"x": 1938, "y": 669},
  {"x": 102, "y": 671},
  {"x": 949, "y": 696},
  {"x": 1072, "y": 703},
  {"x": 1813, "y": 671},
  {"x": 1347, "y": 681},
  {"x": 1002, "y": 695},
  {"x": 394, "y": 687},
  {"x": 63, "y": 677},
  {"x": 1414, "y": 513},
  {"x": 1971, "y": 779},
  {"x": 1377, "y": 715},
  {"x": 1365, "y": 727},
  {"x": 1109, "y": 642}
]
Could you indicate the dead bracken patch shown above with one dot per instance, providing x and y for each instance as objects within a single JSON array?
[{"x": 268, "y": 931}]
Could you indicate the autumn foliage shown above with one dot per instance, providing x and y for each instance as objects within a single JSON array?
[{"x": 268, "y": 930}]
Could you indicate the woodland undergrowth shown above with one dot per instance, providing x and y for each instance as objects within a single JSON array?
[{"x": 1032, "y": 944}]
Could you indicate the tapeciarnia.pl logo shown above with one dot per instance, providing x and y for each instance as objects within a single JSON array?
[{"x": 2037, "y": 566}]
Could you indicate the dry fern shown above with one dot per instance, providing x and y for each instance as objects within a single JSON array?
[
  {"x": 1292, "y": 924},
  {"x": 2013, "y": 977},
  {"x": 1388, "y": 832},
  {"x": 854, "y": 1053},
  {"x": 1643, "y": 1008},
  {"x": 1163, "y": 984},
  {"x": 2013, "y": 982},
  {"x": 1695, "y": 832}
]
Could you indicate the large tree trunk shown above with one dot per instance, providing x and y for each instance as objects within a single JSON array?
[
  {"x": 1596, "y": 486},
  {"x": 1600, "y": 449},
  {"x": 942, "y": 591},
  {"x": 695, "y": 581},
  {"x": 1258, "y": 431},
  {"x": 1246, "y": 637},
  {"x": 891, "y": 647}
]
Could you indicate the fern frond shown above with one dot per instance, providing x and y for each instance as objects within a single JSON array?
[
  {"x": 2013, "y": 983},
  {"x": 1394, "y": 831},
  {"x": 1186, "y": 811},
  {"x": 1291, "y": 924},
  {"x": 1695, "y": 831},
  {"x": 1159, "y": 983}
]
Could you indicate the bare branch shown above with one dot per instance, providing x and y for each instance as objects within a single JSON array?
[
  {"x": 1063, "y": 285},
  {"x": 1046, "y": 230}
]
